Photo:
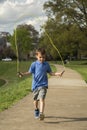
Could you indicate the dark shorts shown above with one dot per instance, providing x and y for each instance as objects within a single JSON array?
[{"x": 39, "y": 93}]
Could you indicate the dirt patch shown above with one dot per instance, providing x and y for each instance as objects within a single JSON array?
[{"x": 2, "y": 82}]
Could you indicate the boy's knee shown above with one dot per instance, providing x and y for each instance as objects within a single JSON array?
[{"x": 42, "y": 100}]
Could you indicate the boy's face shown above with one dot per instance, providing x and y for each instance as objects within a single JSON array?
[{"x": 40, "y": 57}]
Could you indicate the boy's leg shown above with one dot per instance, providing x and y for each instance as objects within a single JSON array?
[
  {"x": 42, "y": 95},
  {"x": 35, "y": 104},
  {"x": 39, "y": 95},
  {"x": 36, "y": 111},
  {"x": 42, "y": 105},
  {"x": 36, "y": 108}
]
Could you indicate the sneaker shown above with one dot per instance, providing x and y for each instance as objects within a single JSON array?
[
  {"x": 36, "y": 113},
  {"x": 41, "y": 117}
]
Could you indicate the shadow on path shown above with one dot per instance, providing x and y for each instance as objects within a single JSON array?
[{"x": 64, "y": 119}]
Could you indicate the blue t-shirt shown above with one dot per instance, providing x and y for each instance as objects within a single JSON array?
[{"x": 39, "y": 71}]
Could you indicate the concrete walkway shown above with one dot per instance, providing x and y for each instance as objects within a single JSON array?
[{"x": 66, "y": 107}]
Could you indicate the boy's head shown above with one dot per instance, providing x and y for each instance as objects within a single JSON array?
[{"x": 40, "y": 54}]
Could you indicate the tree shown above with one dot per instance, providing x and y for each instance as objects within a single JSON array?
[
  {"x": 26, "y": 35},
  {"x": 68, "y": 39},
  {"x": 69, "y": 12},
  {"x": 49, "y": 27}
]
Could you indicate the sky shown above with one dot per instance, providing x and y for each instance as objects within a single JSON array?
[{"x": 15, "y": 12}]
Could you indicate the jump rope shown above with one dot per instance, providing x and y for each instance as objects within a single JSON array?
[{"x": 50, "y": 42}]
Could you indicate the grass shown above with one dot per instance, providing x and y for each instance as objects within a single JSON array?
[
  {"x": 15, "y": 88},
  {"x": 80, "y": 67}
]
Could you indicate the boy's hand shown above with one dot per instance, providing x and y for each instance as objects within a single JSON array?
[
  {"x": 20, "y": 74},
  {"x": 59, "y": 74},
  {"x": 62, "y": 72}
]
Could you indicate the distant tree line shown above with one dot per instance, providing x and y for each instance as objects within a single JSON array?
[
  {"x": 66, "y": 26},
  {"x": 5, "y": 48},
  {"x": 25, "y": 37}
]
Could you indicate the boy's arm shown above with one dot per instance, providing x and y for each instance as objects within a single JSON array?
[
  {"x": 30, "y": 71},
  {"x": 57, "y": 73},
  {"x": 21, "y": 74}
]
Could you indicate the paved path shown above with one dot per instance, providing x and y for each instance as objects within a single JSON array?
[{"x": 66, "y": 107}]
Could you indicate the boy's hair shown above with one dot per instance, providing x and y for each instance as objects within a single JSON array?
[{"x": 41, "y": 50}]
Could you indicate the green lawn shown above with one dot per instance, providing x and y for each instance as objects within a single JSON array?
[
  {"x": 15, "y": 88},
  {"x": 79, "y": 66}
]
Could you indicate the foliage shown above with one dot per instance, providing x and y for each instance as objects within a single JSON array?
[
  {"x": 67, "y": 38},
  {"x": 71, "y": 11},
  {"x": 67, "y": 27},
  {"x": 24, "y": 36}
]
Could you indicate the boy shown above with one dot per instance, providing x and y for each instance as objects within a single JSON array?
[{"x": 39, "y": 69}]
